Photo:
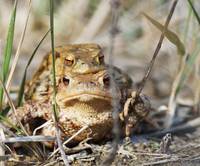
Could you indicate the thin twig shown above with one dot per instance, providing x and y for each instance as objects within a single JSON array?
[{"x": 149, "y": 69}]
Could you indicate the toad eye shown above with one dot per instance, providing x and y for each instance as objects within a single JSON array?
[
  {"x": 106, "y": 81},
  {"x": 68, "y": 61},
  {"x": 100, "y": 59},
  {"x": 65, "y": 81}
]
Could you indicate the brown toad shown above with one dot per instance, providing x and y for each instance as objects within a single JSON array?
[{"x": 83, "y": 95}]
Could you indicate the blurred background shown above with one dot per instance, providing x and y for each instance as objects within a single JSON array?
[{"x": 88, "y": 21}]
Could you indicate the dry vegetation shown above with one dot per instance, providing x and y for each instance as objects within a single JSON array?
[{"x": 173, "y": 85}]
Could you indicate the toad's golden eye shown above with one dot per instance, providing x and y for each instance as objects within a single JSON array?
[
  {"x": 69, "y": 61},
  {"x": 100, "y": 59}
]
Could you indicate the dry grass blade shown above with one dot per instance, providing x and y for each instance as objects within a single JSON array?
[
  {"x": 54, "y": 86},
  {"x": 16, "y": 57},
  {"x": 2, "y": 126},
  {"x": 172, "y": 103},
  {"x": 187, "y": 25},
  {"x": 20, "y": 124},
  {"x": 9, "y": 123},
  {"x": 34, "y": 148},
  {"x": 183, "y": 74},
  {"x": 194, "y": 11},
  {"x": 21, "y": 90},
  {"x": 197, "y": 92},
  {"x": 12, "y": 107},
  {"x": 149, "y": 69},
  {"x": 49, "y": 122},
  {"x": 68, "y": 140},
  {"x": 188, "y": 66},
  {"x": 8, "y": 50},
  {"x": 171, "y": 36},
  {"x": 184, "y": 71}
]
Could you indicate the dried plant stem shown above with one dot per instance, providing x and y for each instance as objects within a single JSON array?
[
  {"x": 187, "y": 25},
  {"x": 68, "y": 140},
  {"x": 172, "y": 98},
  {"x": 194, "y": 11},
  {"x": 15, "y": 113},
  {"x": 34, "y": 148},
  {"x": 49, "y": 122},
  {"x": 65, "y": 160},
  {"x": 149, "y": 69},
  {"x": 22, "y": 86},
  {"x": 197, "y": 86},
  {"x": 12, "y": 107},
  {"x": 197, "y": 98},
  {"x": 16, "y": 57},
  {"x": 8, "y": 132}
]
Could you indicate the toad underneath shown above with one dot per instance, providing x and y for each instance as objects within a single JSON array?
[{"x": 83, "y": 96}]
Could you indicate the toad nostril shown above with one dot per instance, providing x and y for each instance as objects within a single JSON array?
[
  {"x": 106, "y": 81},
  {"x": 65, "y": 81}
]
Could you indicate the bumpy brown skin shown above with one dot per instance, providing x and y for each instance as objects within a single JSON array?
[{"x": 83, "y": 95}]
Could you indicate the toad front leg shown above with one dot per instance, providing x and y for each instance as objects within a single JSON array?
[{"x": 135, "y": 109}]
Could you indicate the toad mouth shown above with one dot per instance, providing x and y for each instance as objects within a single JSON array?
[{"x": 87, "y": 96}]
